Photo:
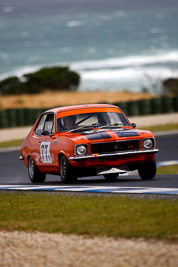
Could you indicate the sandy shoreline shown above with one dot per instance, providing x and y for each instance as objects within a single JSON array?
[
  {"x": 54, "y": 99},
  {"x": 44, "y": 249}
]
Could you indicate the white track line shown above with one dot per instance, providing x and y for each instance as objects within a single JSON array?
[{"x": 96, "y": 189}]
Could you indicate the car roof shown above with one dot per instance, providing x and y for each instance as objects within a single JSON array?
[{"x": 66, "y": 108}]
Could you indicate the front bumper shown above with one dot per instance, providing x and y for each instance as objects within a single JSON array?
[{"x": 136, "y": 152}]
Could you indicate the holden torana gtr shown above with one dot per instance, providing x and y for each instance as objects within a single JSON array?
[{"x": 87, "y": 140}]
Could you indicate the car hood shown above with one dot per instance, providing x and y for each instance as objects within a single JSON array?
[{"x": 116, "y": 134}]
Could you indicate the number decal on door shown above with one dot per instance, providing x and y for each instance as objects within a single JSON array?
[{"x": 45, "y": 152}]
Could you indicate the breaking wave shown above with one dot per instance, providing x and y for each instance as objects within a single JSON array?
[
  {"x": 131, "y": 72},
  {"x": 137, "y": 60}
]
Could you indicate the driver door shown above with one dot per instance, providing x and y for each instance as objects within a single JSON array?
[{"x": 44, "y": 134}]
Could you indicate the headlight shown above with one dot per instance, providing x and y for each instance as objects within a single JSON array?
[
  {"x": 81, "y": 150},
  {"x": 148, "y": 143}
]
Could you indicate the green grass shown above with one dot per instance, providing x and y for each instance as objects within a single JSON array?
[
  {"x": 12, "y": 143},
  {"x": 173, "y": 169},
  {"x": 161, "y": 128},
  {"x": 89, "y": 215}
]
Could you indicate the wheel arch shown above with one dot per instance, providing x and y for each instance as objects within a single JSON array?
[
  {"x": 61, "y": 153},
  {"x": 31, "y": 155}
]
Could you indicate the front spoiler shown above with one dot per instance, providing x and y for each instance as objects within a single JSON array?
[
  {"x": 115, "y": 154},
  {"x": 111, "y": 170}
]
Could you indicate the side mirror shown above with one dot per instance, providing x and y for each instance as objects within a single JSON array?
[
  {"x": 52, "y": 135},
  {"x": 133, "y": 125},
  {"x": 45, "y": 133}
]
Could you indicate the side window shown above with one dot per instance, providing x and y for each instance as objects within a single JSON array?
[
  {"x": 40, "y": 125},
  {"x": 49, "y": 124}
]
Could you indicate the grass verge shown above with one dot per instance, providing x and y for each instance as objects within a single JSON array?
[
  {"x": 12, "y": 143},
  {"x": 162, "y": 128},
  {"x": 172, "y": 169},
  {"x": 89, "y": 215}
]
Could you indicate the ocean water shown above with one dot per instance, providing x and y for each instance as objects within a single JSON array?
[{"x": 113, "y": 44}]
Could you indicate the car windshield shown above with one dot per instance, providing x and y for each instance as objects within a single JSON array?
[{"x": 81, "y": 122}]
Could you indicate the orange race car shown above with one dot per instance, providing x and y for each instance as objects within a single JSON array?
[{"x": 87, "y": 140}]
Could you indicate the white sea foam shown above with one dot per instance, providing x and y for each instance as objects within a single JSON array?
[
  {"x": 75, "y": 23},
  {"x": 133, "y": 78},
  {"x": 8, "y": 9},
  {"x": 130, "y": 72},
  {"x": 137, "y": 60},
  {"x": 108, "y": 63}
]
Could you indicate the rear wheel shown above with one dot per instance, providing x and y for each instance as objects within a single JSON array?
[
  {"x": 67, "y": 172},
  {"x": 34, "y": 174},
  {"x": 147, "y": 170},
  {"x": 111, "y": 177}
]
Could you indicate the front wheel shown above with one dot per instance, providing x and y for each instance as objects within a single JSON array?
[
  {"x": 147, "y": 170},
  {"x": 67, "y": 172},
  {"x": 34, "y": 174}
]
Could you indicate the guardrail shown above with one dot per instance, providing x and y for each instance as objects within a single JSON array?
[{"x": 27, "y": 116}]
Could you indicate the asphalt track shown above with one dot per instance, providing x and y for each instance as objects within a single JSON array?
[{"x": 14, "y": 173}]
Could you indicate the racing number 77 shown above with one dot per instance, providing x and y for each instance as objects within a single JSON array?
[{"x": 45, "y": 152}]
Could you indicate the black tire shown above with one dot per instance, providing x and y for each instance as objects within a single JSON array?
[
  {"x": 147, "y": 170},
  {"x": 34, "y": 174},
  {"x": 67, "y": 172},
  {"x": 111, "y": 177}
]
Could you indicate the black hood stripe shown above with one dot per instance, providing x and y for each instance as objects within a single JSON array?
[
  {"x": 97, "y": 136},
  {"x": 105, "y": 135},
  {"x": 127, "y": 133}
]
